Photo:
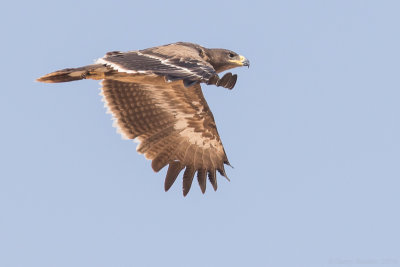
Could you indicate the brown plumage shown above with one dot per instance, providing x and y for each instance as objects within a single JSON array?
[{"x": 155, "y": 97}]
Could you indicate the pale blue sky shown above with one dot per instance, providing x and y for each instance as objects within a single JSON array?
[{"x": 312, "y": 129}]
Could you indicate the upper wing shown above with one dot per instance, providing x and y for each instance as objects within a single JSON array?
[
  {"x": 177, "y": 61},
  {"x": 173, "y": 125}
]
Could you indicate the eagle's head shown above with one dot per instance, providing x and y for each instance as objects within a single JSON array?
[{"x": 223, "y": 59}]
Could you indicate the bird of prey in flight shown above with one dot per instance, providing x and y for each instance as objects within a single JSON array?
[{"x": 155, "y": 97}]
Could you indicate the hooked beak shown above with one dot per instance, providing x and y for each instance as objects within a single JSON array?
[
  {"x": 242, "y": 61},
  {"x": 245, "y": 61}
]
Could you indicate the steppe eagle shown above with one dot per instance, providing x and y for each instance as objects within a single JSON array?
[{"x": 155, "y": 98}]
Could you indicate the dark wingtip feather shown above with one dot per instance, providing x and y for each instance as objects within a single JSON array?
[
  {"x": 223, "y": 173},
  {"x": 228, "y": 163},
  {"x": 174, "y": 169},
  {"x": 202, "y": 179},
  {"x": 212, "y": 176},
  {"x": 188, "y": 179}
]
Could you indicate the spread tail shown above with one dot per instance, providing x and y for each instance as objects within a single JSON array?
[{"x": 95, "y": 72}]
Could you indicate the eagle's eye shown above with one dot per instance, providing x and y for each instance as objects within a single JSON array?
[{"x": 231, "y": 55}]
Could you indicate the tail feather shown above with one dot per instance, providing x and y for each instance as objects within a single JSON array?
[{"x": 95, "y": 72}]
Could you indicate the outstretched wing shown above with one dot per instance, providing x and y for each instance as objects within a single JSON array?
[
  {"x": 174, "y": 126},
  {"x": 178, "y": 61}
]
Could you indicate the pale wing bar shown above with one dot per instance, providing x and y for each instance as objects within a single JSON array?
[
  {"x": 172, "y": 68},
  {"x": 147, "y": 62}
]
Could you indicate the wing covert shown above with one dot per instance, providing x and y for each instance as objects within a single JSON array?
[{"x": 174, "y": 62}]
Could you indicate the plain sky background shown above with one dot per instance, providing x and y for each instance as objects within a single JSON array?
[{"x": 312, "y": 129}]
